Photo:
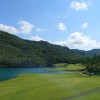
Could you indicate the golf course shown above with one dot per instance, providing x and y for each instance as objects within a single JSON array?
[
  {"x": 67, "y": 86},
  {"x": 49, "y": 50}
]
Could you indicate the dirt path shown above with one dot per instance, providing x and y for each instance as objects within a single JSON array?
[{"x": 83, "y": 94}]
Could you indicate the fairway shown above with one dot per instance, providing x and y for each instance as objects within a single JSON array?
[
  {"x": 68, "y": 67},
  {"x": 49, "y": 87}
]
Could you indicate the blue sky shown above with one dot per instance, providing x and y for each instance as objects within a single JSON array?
[{"x": 71, "y": 23}]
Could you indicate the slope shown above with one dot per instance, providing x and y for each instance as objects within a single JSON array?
[{"x": 17, "y": 52}]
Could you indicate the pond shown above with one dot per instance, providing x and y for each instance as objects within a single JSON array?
[{"x": 8, "y": 73}]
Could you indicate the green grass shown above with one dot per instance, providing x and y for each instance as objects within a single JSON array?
[
  {"x": 71, "y": 67},
  {"x": 48, "y": 86},
  {"x": 94, "y": 96}
]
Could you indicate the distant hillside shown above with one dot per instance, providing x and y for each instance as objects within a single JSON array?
[
  {"x": 80, "y": 52},
  {"x": 93, "y": 52},
  {"x": 17, "y": 52},
  {"x": 89, "y": 53}
]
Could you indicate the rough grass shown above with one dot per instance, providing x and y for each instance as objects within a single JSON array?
[{"x": 48, "y": 87}]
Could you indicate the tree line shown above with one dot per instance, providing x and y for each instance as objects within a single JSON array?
[{"x": 92, "y": 64}]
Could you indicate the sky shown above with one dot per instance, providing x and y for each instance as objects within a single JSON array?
[{"x": 71, "y": 23}]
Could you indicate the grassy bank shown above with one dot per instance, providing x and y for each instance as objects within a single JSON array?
[
  {"x": 70, "y": 67},
  {"x": 48, "y": 86}
]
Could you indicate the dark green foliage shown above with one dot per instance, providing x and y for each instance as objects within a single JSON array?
[
  {"x": 17, "y": 52},
  {"x": 92, "y": 63}
]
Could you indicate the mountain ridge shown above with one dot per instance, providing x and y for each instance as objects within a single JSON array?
[
  {"x": 89, "y": 53},
  {"x": 17, "y": 52}
]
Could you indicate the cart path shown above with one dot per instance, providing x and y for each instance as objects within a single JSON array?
[{"x": 83, "y": 94}]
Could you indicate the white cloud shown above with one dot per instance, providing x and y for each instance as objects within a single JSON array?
[
  {"x": 36, "y": 38},
  {"x": 9, "y": 29},
  {"x": 62, "y": 27},
  {"x": 79, "y": 5},
  {"x": 40, "y": 29},
  {"x": 79, "y": 41},
  {"x": 25, "y": 27},
  {"x": 85, "y": 25}
]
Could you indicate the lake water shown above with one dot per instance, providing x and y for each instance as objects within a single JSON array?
[{"x": 8, "y": 73}]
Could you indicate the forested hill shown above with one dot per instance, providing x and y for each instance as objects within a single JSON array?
[
  {"x": 89, "y": 53},
  {"x": 17, "y": 52}
]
